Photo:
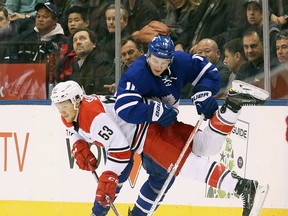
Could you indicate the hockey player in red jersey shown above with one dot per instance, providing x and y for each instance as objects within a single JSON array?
[{"x": 91, "y": 120}]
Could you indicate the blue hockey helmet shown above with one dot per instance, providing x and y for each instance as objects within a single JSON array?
[{"x": 162, "y": 47}]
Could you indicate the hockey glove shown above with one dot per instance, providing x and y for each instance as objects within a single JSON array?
[
  {"x": 85, "y": 159},
  {"x": 205, "y": 103},
  {"x": 161, "y": 113},
  {"x": 106, "y": 187}
]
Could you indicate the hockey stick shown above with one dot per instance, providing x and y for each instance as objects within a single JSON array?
[
  {"x": 112, "y": 206},
  {"x": 175, "y": 166}
]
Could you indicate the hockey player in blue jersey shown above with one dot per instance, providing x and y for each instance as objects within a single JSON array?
[{"x": 149, "y": 92}]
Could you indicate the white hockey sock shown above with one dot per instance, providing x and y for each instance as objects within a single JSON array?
[
  {"x": 229, "y": 183},
  {"x": 229, "y": 115}
]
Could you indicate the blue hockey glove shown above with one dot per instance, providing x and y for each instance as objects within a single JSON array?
[
  {"x": 161, "y": 113},
  {"x": 205, "y": 103}
]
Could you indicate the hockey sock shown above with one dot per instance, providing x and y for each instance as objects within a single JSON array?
[
  {"x": 100, "y": 210},
  {"x": 148, "y": 194},
  {"x": 223, "y": 123}
]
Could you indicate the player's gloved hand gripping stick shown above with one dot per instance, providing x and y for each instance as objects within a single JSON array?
[
  {"x": 107, "y": 198},
  {"x": 175, "y": 166}
]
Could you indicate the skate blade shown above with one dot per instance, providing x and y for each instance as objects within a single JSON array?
[
  {"x": 246, "y": 88},
  {"x": 260, "y": 197}
]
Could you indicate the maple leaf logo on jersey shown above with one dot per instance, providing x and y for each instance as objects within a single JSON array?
[{"x": 169, "y": 100}]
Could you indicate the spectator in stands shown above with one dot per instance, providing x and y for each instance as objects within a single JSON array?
[
  {"x": 96, "y": 11},
  {"x": 220, "y": 20},
  {"x": 253, "y": 71},
  {"x": 4, "y": 18},
  {"x": 234, "y": 59},
  {"x": 255, "y": 18},
  {"x": 279, "y": 12},
  {"x": 140, "y": 13},
  {"x": 63, "y": 6},
  {"x": 7, "y": 32},
  {"x": 22, "y": 12},
  {"x": 209, "y": 48},
  {"x": 41, "y": 44},
  {"x": 90, "y": 71},
  {"x": 131, "y": 49},
  {"x": 46, "y": 36},
  {"x": 161, "y": 6},
  {"x": 179, "y": 15},
  {"x": 77, "y": 18},
  {"x": 107, "y": 44},
  {"x": 279, "y": 76}
]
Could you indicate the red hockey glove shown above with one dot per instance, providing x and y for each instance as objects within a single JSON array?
[
  {"x": 85, "y": 159},
  {"x": 106, "y": 186}
]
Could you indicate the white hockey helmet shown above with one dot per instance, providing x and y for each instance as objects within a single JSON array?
[{"x": 69, "y": 90}]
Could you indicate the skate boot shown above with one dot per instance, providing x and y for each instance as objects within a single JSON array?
[
  {"x": 130, "y": 212},
  {"x": 246, "y": 189},
  {"x": 243, "y": 94}
]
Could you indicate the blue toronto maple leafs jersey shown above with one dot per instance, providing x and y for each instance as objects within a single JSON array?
[{"x": 138, "y": 83}]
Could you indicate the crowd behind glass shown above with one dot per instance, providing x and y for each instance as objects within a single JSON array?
[{"x": 228, "y": 32}]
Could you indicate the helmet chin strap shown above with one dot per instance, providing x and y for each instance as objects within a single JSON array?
[
  {"x": 77, "y": 102},
  {"x": 77, "y": 112}
]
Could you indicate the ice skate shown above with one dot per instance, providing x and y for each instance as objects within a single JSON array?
[
  {"x": 253, "y": 195},
  {"x": 130, "y": 212},
  {"x": 260, "y": 197},
  {"x": 244, "y": 94}
]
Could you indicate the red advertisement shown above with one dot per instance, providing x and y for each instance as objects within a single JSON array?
[{"x": 22, "y": 81}]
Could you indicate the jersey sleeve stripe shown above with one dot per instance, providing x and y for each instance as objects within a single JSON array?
[
  {"x": 202, "y": 72},
  {"x": 128, "y": 95},
  {"x": 119, "y": 109}
]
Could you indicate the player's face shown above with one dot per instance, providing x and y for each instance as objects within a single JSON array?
[
  {"x": 129, "y": 53},
  {"x": 158, "y": 65},
  {"x": 282, "y": 50},
  {"x": 75, "y": 21},
  {"x": 66, "y": 109}
]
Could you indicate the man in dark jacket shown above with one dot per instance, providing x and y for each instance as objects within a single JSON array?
[
  {"x": 36, "y": 45},
  {"x": 90, "y": 70},
  {"x": 221, "y": 20}
]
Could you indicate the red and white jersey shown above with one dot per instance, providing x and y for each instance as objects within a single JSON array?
[{"x": 97, "y": 123}]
